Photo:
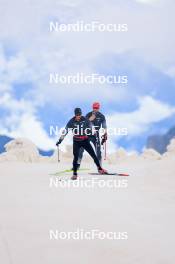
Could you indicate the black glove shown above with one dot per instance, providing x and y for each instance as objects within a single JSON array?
[
  {"x": 104, "y": 138},
  {"x": 59, "y": 142}
]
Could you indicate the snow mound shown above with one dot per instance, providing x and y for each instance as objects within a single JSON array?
[
  {"x": 170, "y": 149},
  {"x": 151, "y": 154},
  {"x": 119, "y": 155},
  {"x": 20, "y": 149},
  {"x": 5, "y": 157},
  {"x": 67, "y": 155}
]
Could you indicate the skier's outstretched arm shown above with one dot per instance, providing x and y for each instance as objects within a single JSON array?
[{"x": 64, "y": 133}]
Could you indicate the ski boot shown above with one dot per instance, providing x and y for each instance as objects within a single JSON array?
[
  {"x": 75, "y": 176},
  {"x": 102, "y": 171}
]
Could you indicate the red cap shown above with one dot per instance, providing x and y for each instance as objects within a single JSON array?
[{"x": 96, "y": 105}]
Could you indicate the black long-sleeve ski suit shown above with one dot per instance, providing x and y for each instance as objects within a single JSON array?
[
  {"x": 81, "y": 131},
  {"x": 97, "y": 123}
]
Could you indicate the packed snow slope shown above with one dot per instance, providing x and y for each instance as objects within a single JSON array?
[{"x": 30, "y": 207}]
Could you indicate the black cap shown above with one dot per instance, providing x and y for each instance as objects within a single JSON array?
[{"x": 78, "y": 111}]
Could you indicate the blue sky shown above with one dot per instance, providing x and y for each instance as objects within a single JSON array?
[{"x": 28, "y": 53}]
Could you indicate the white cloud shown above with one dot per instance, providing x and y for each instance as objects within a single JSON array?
[
  {"x": 40, "y": 53},
  {"x": 148, "y": 1},
  {"x": 29, "y": 127},
  {"x": 144, "y": 24},
  {"x": 171, "y": 71},
  {"x": 22, "y": 122},
  {"x": 139, "y": 121},
  {"x": 15, "y": 69}
]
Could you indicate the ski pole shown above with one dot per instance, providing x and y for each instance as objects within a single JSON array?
[
  {"x": 105, "y": 151},
  {"x": 96, "y": 146},
  {"x": 58, "y": 154}
]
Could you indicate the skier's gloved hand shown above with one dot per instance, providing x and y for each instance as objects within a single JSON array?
[
  {"x": 104, "y": 138},
  {"x": 59, "y": 142}
]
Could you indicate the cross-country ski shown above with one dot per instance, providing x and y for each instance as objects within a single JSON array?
[{"x": 110, "y": 173}]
